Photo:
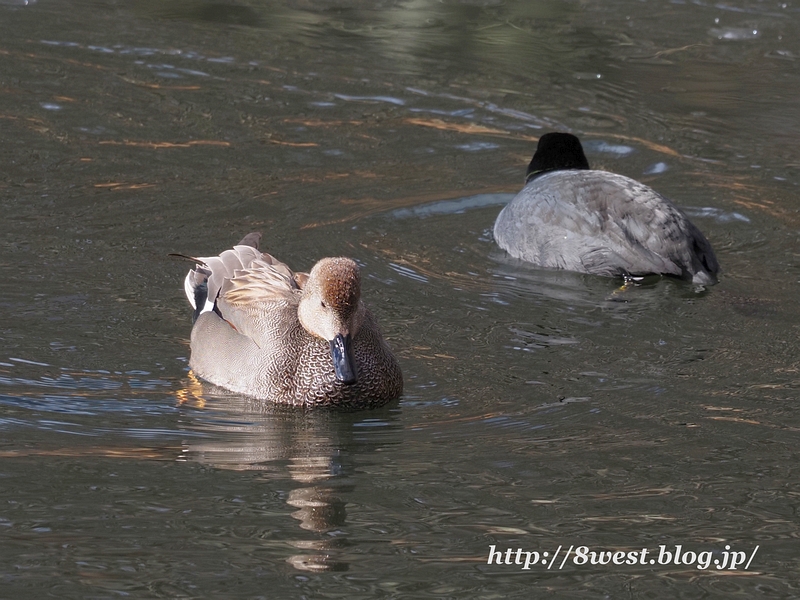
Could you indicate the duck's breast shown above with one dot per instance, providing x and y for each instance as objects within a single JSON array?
[
  {"x": 284, "y": 364},
  {"x": 379, "y": 379}
]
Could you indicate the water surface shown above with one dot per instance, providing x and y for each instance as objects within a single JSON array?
[{"x": 542, "y": 409}]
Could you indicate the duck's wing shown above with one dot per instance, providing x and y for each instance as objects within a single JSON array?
[
  {"x": 642, "y": 231},
  {"x": 260, "y": 299},
  {"x": 651, "y": 234},
  {"x": 216, "y": 268},
  {"x": 204, "y": 280}
]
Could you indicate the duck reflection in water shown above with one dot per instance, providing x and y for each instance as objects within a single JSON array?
[{"x": 313, "y": 452}]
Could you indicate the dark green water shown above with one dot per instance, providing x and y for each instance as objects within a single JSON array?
[{"x": 542, "y": 410}]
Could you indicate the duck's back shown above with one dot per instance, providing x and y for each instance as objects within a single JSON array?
[{"x": 604, "y": 224}]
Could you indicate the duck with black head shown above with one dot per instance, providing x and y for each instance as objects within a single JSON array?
[{"x": 571, "y": 217}]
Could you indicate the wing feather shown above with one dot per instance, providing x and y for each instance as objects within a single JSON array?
[
  {"x": 602, "y": 223},
  {"x": 260, "y": 299}
]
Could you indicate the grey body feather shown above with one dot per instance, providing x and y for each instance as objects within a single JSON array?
[{"x": 604, "y": 224}]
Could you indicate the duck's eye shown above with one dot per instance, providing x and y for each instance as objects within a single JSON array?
[{"x": 322, "y": 304}]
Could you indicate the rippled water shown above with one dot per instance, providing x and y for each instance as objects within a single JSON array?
[{"x": 543, "y": 410}]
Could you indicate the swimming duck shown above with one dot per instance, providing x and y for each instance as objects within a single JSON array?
[
  {"x": 303, "y": 339},
  {"x": 570, "y": 217}
]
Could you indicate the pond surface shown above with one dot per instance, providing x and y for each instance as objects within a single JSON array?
[{"x": 543, "y": 411}]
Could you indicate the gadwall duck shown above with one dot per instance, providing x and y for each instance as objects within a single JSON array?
[
  {"x": 303, "y": 339},
  {"x": 570, "y": 217}
]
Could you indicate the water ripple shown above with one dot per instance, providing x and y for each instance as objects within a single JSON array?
[
  {"x": 453, "y": 207},
  {"x": 76, "y": 405},
  {"x": 389, "y": 99}
]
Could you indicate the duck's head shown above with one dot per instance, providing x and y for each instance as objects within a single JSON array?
[
  {"x": 331, "y": 309},
  {"x": 556, "y": 152}
]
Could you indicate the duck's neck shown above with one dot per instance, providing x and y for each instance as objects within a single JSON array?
[{"x": 556, "y": 152}]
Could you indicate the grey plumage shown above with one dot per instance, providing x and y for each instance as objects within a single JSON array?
[
  {"x": 604, "y": 224},
  {"x": 266, "y": 331}
]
